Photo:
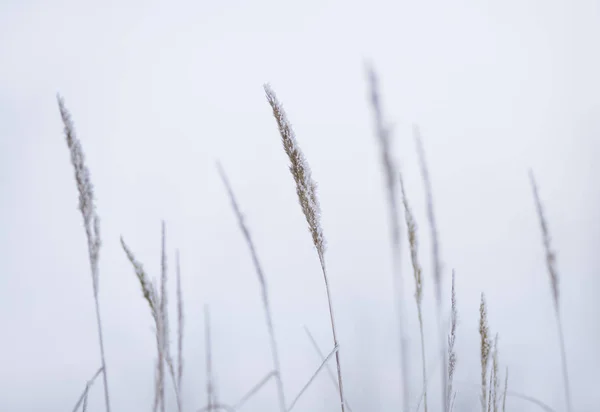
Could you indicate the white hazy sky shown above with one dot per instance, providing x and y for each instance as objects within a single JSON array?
[{"x": 160, "y": 90}]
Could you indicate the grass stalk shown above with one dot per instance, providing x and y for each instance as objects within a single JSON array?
[
  {"x": 452, "y": 342},
  {"x": 306, "y": 189},
  {"x": 83, "y": 398},
  {"x": 312, "y": 378},
  {"x": 413, "y": 244},
  {"x": 383, "y": 135},
  {"x": 91, "y": 223},
  {"x": 484, "y": 350},
  {"x": 495, "y": 371},
  {"x": 554, "y": 283},
  {"x": 505, "y": 389},
  {"x": 158, "y": 309},
  {"x": 263, "y": 285},
  {"x": 180, "y": 326},
  {"x": 322, "y": 358},
  {"x": 437, "y": 265},
  {"x": 210, "y": 386}
]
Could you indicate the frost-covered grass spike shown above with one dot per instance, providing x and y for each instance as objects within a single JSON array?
[
  {"x": 91, "y": 222},
  {"x": 306, "y": 189}
]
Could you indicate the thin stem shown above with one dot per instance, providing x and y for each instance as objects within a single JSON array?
[
  {"x": 103, "y": 359},
  {"x": 563, "y": 353},
  {"x": 333, "y": 330},
  {"x": 209, "y": 374},
  {"x": 554, "y": 283},
  {"x": 87, "y": 388},
  {"x": 264, "y": 288},
  {"x": 322, "y": 358},
  {"x": 312, "y": 378},
  {"x": 383, "y": 134},
  {"x": 254, "y": 389},
  {"x": 437, "y": 266}
]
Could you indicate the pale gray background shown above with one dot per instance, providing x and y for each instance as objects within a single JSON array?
[{"x": 160, "y": 90}]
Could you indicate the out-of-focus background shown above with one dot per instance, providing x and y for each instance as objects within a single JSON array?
[{"x": 161, "y": 90}]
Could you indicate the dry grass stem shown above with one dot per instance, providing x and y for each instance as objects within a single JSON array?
[
  {"x": 150, "y": 294},
  {"x": 490, "y": 391},
  {"x": 437, "y": 265},
  {"x": 263, "y": 285},
  {"x": 383, "y": 135},
  {"x": 413, "y": 244},
  {"x": 255, "y": 389},
  {"x": 452, "y": 342},
  {"x": 484, "y": 350},
  {"x": 554, "y": 283},
  {"x": 179, "y": 329},
  {"x": 210, "y": 384},
  {"x": 327, "y": 367},
  {"x": 505, "y": 389},
  {"x": 306, "y": 189},
  {"x": 148, "y": 288},
  {"x": 91, "y": 222},
  {"x": 158, "y": 309},
  {"x": 163, "y": 352},
  {"x": 532, "y": 400},
  {"x": 312, "y": 378},
  {"x": 430, "y": 372},
  {"x": 495, "y": 371},
  {"x": 453, "y": 401},
  {"x": 83, "y": 397}
]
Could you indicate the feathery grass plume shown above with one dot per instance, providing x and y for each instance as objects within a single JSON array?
[
  {"x": 164, "y": 312},
  {"x": 263, "y": 285},
  {"x": 495, "y": 381},
  {"x": 179, "y": 329},
  {"x": 554, "y": 283},
  {"x": 413, "y": 243},
  {"x": 505, "y": 389},
  {"x": 484, "y": 333},
  {"x": 158, "y": 309},
  {"x": 152, "y": 297},
  {"x": 383, "y": 134},
  {"x": 437, "y": 265},
  {"x": 148, "y": 288},
  {"x": 306, "y": 189},
  {"x": 451, "y": 342},
  {"x": 91, "y": 222}
]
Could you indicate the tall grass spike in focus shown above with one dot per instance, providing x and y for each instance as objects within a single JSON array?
[
  {"x": 306, "y": 189},
  {"x": 554, "y": 283},
  {"x": 91, "y": 223}
]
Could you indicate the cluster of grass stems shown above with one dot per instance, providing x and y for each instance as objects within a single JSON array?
[{"x": 492, "y": 397}]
